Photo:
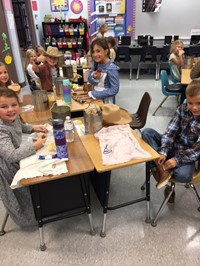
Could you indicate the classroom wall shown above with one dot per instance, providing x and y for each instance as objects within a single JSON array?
[{"x": 176, "y": 17}]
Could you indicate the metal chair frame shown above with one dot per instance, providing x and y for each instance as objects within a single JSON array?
[
  {"x": 148, "y": 58},
  {"x": 123, "y": 57},
  {"x": 195, "y": 180}
]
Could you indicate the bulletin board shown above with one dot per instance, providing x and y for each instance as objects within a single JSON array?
[{"x": 59, "y": 5}]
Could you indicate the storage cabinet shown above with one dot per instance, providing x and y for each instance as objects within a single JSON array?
[{"x": 66, "y": 35}]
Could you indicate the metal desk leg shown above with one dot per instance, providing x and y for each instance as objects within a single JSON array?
[
  {"x": 2, "y": 231},
  {"x": 87, "y": 203},
  {"x": 148, "y": 218},
  {"x": 39, "y": 218},
  {"x": 105, "y": 205}
]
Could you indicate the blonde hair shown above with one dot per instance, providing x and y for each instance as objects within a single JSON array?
[
  {"x": 174, "y": 44},
  {"x": 28, "y": 53}
]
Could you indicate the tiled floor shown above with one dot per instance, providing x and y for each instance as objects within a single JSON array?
[{"x": 129, "y": 241}]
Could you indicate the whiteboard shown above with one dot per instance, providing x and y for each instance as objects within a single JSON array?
[{"x": 176, "y": 17}]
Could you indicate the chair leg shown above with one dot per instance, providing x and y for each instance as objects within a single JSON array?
[
  {"x": 131, "y": 70},
  {"x": 138, "y": 73},
  {"x": 2, "y": 231},
  {"x": 196, "y": 194},
  {"x": 154, "y": 222},
  {"x": 160, "y": 105}
]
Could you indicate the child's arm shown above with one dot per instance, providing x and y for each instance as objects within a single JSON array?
[{"x": 179, "y": 59}]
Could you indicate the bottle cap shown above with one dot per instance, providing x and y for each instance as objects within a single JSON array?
[{"x": 66, "y": 82}]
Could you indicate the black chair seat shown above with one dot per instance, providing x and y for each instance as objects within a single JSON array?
[{"x": 174, "y": 88}]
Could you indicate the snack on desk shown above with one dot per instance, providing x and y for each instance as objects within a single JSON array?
[
  {"x": 14, "y": 87},
  {"x": 80, "y": 96}
]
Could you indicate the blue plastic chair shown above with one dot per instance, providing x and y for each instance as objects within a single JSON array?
[{"x": 168, "y": 89}]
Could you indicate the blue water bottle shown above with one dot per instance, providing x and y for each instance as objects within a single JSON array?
[
  {"x": 60, "y": 139},
  {"x": 67, "y": 91}
]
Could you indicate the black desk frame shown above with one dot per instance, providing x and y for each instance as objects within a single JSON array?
[
  {"x": 101, "y": 184},
  {"x": 49, "y": 214}
]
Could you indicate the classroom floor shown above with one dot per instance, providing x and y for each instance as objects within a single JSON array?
[{"x": 129, "y": 240}]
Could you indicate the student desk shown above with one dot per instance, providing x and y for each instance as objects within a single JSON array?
[
  {"x": 66, "y": 195},
  {"x": 185, "y": 76},
  {"x": 38, "y": 117},
  {"x": 101, "y": 178}
]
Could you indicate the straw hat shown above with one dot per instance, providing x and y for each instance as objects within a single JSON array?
[
  {"x": 52, "y": 52},
  {"x": 114, "y": 115}
]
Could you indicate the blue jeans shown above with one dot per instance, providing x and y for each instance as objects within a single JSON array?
[{"x": 182, "y": 173}]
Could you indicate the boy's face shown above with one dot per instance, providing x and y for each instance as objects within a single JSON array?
[
  {"x": 51, "y": 61},
  {"x": 193, "y": 104},
  {"x": 9, "y": 108}
]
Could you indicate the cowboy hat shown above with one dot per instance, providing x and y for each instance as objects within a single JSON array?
[
  {"x": 114, "y": 115},
  {"x": 52, "y": 52}
]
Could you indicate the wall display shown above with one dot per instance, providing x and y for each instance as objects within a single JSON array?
[
  {"x": 59, "y": 5},
  {"x": 76, "y": 6},
  {"x": 151, "y": 5},
  {"x": 113, "y": 13}
]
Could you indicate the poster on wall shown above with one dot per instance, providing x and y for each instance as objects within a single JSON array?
[
  {"x": 59, "y": 5},
  {"x": 151, "y": 5},
  {"x": 112, "y": 13},
  {"x": 110, "y": 7}
]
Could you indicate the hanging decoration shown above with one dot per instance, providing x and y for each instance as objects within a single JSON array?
[
  {"x": 76, "y": 6},
  {"x": 6, "y": 46},
  {"x": 8, "y": 59}
]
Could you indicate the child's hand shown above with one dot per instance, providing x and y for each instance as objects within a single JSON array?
[
  {"x": 39, "y": 128},
  {"x": 97, "y": 74},
  {"x": 161, "y": 159},
  {"x": 181, "y": 52},
  {"x": 169, "y": 164},
  {"x": 38, "y": 144}
]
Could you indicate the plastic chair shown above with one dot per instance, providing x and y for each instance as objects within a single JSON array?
[
  {"x": 140, "y": 117},
  {"x": 164, "y": 60},
  {"x": 195, "y": 180},
  {"x": 123, "y": 57},
  {"x": 148, "y": 58},
  {"x": 168, "y": 89}
]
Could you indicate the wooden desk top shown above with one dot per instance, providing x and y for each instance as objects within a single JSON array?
[
  {"x": 185, "y": 76},
  {"x": 91, "y": 145},
  {"x": 79, "y": 163},
  {"x": 37, "y": 117}
]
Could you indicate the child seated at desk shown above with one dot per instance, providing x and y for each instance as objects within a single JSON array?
[
  {"x": 104, "y": 75},
  {"x": 176, "y": 59},
  {"x": 179, "y": 146},
  {"x": 17, "y": 202}
]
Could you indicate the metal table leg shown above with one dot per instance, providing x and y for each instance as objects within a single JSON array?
[
  {"x": 87, "y": 203},
  {"x": 105, "y": 205},
  {"x": 2, "y": 231},
  {"x": 148, "y": 218}
]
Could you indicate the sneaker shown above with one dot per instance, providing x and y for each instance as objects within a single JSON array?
[
  {"x": 164, "y": 177},
  {"x": 166, "y": 194}
]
